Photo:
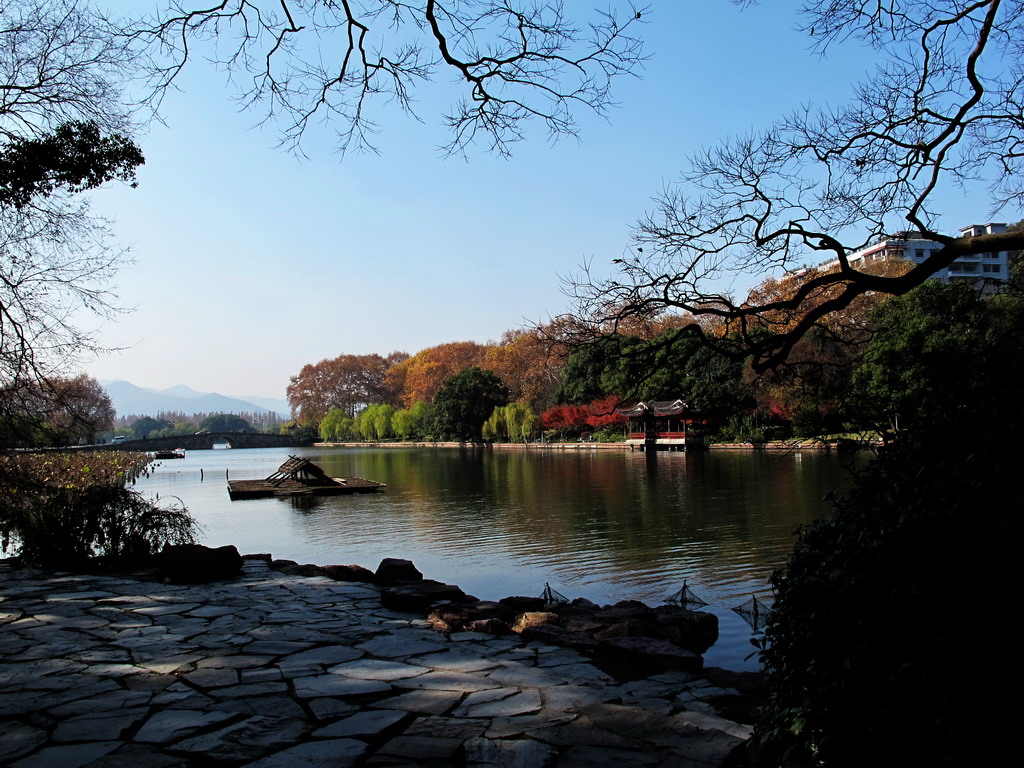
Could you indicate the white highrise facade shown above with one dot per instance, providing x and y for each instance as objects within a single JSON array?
[{"x": 986, "y": 270}]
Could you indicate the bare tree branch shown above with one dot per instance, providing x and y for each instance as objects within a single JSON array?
[
  {"x": 63, "y": 128},
  {"x": 943, "y": 110},
  {"x": 336, "y": 61}
]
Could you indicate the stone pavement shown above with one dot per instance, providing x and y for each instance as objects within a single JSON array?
[{"x": 290, "y": 671}]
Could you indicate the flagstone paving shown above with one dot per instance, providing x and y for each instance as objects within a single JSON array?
[{"x": 275, "y": 670}]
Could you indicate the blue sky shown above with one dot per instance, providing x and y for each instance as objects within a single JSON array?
[{"x": 249, "y": 263}]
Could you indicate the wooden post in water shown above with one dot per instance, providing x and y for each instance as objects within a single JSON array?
[{"x": 200, "y": 474}]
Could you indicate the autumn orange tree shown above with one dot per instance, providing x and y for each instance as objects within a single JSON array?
[
  {"x": 810, "y": 390},
  {"x": 527, "y": 363},
  {"x": 346, "y": 382},
  {"x": 420, "y": 377}
]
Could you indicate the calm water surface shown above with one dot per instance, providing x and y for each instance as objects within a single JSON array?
[{"x": 605, "y": 525}]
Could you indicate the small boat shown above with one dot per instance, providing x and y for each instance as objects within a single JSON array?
[
  {"x": 177, "y": 453},
  {"x": 300, "y": 477}
]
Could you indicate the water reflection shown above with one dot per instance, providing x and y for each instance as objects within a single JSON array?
[{"x": 606, "y": 525}]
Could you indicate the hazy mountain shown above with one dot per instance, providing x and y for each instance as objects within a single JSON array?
[{"x": 129, "y": 399}]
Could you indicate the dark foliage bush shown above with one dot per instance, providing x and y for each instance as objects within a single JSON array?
[
  {"x": 59, "y": 511},
  {"x": 71, "y": 529},
  {"x": 890, "y": 640}
]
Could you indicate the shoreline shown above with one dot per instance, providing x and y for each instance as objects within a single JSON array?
[
  {"x": 795, "y": 445},
  {"x": 273, "y": 669}
]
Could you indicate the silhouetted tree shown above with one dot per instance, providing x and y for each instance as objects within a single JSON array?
[
  {"x": 941, "y": 110},
  {"x": 54, "y": 412},
  {"x": 63, "y": 129}
]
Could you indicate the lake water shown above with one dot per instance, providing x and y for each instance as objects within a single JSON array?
[{"x": 605, "y": 525}]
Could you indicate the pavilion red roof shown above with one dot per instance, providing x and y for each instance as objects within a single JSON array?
[{"x": 655, "y": 408}]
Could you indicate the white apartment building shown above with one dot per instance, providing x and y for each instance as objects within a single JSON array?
[{"x": 985, "y": 269}]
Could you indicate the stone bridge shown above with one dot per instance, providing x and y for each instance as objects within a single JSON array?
[{"x": 206, "y": 441}]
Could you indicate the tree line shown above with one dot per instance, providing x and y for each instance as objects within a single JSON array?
[
  {"x": 170, "y": 423},
  {"x": 859, "y": 668},
  {"x": 853, "y": 372}
]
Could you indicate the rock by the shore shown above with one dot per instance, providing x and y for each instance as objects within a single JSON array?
[
  {"x": 293, "y": 568},
  {"x": 349, "y": 573},
  {"x": 420, "y": 596},
  {"x": 196, "y": 564},
  {"x": 642, "y": 656},
  {"x": 625, "y": 639},
  {"x": 393, "y": 570}
]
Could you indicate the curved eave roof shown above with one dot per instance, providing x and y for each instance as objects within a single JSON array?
[{"x": 655, "y": 408}]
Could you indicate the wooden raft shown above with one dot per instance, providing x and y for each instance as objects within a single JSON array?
[{"x": 300, "y": 477}]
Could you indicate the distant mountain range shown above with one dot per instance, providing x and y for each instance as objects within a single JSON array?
[{"x": 129, "y": 400}]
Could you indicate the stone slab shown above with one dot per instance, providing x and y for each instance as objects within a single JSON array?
[
  {"x": 170, "y": 724},
  {"x": 330, "y": 753},
  {"x": 368, "y": 723},
  {"x": 336, "y": 685}
]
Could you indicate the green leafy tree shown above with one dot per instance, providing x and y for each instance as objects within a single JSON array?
[
  {"x": 515, "y": 421},
  {"x": 868, "y": 616},
  {"x": 336, "y": 425},
  {"x": 147, "y": 425},
  {"x": 584, "y": 377},
  {"x": 413, "y": 423},
  {"x": 225, "y": 422},
  {"x": 923, "y": 349},
  {"x": 464, "y": 403},
  {"x": 74, "y": 157},
  {"x": 879, "y": 607},
  {"x": 667, "y": 367},
  {"x": 382, "y": 417},
  {"x": 374, "y": 422}
]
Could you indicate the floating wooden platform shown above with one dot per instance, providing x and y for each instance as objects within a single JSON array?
[
  {"x": 258, "y": 489},
  {"x": 300, "y": 477}
]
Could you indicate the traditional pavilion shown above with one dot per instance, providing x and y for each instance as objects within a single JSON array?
[{"x": 658, "y": 423}]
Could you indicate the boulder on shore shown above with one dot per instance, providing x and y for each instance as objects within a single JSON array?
[
  {"x": 196, "y": 564},
  {"x": 628, "y": 639},
  {"x": 420, "y": 596},
  {"x": 393, "y": 570},
  {"x": 349, "y": 573}
]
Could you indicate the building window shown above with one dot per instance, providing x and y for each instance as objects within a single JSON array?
[
  {"x": 996, "y": 268},
  {"x": 919, "y": 253},
  {"x": 970, "y": 267}
]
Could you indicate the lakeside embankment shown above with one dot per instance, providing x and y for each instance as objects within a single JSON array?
[
  {"x": 280, "y": 670},
  {"x": 779, "y": 445}
]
